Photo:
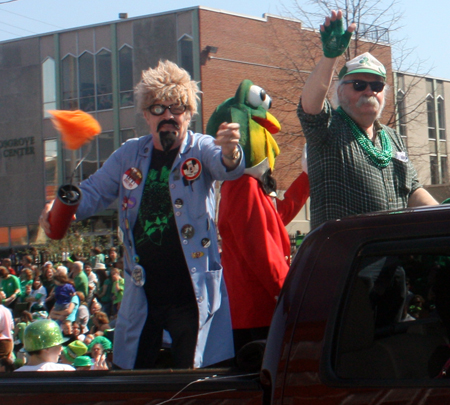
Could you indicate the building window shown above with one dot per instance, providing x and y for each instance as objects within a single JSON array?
[
  {"x": 441, "y": 117},
  {"x": 444, "y": 169},
  {"x": 4, "y": 237},
  {"x": 51, "y": 169},
  {"x": 105, "y": 146},
  {"x": 186, "y": 53},
  {"x": 126, "y": 76},
  {"x": 48, "y": 86},
  {"x": 431, "y": 112},
  {"x": 434, "y": 169},
  {"x": 126, "y": 134},
  {"x": 19, "y": 235},
  {"x": 69, "y": 83},
  {"x": 90, "y": 163},
  {"x": 401, "y": 107},
  {"x": 86, "y": 80},
  {"x": 103, "y": 69},
  {"x": 436, "y": 131},
  {"x": 33, "y": 233},
  {"x": 396, "y": 302},
  {"x": 92, "y": 157}
]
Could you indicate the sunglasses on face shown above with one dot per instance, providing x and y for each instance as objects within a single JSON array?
[
  {"x": 361, "y": 85},
  {"x": 159, "y": 109}
]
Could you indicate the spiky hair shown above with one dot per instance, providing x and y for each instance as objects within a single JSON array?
[{"x": 167, "y": 82}]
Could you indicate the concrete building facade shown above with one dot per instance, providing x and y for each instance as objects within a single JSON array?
[{"x": 421, "y": 120}]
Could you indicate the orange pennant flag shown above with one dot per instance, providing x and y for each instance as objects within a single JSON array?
[{"x": 76, "y": 127}]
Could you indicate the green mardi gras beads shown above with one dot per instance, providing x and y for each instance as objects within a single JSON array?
[{"x": 380, "y": 158}]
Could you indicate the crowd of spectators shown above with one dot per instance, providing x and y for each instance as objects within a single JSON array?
[{"x": 82, "y": 296}]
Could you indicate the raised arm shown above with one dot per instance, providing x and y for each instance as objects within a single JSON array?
[{"x": 334, "y": 43}]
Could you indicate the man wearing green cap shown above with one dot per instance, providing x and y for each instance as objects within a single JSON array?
[
  {"x": 355, "y": 164},
  {"x": 42, "y": 342}
]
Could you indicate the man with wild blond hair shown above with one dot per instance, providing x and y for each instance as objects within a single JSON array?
[{"x": 165, "y": 185}]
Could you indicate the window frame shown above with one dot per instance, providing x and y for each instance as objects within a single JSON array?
[{"x": 433, "y": 245}]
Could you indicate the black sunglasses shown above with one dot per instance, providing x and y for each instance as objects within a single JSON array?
[
  {"x": 159, "y": 109},
  {"x": 361, "y": 85}
]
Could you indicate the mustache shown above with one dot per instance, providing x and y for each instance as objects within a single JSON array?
[
  {"x": 368, "y": 100},
  {"x": 169, "y": 122}
]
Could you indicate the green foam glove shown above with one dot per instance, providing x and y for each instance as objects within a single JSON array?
[{"x": 335, "y": 39}]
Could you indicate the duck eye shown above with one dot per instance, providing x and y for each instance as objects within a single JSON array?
[{"x": 257, "y": 96}]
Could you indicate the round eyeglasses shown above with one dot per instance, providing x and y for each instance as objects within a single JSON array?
[
  {"x": 159, "y": 109},
  {"x": 361, "y": 85}
]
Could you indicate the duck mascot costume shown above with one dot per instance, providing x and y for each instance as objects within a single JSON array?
[{"x": 255, "y": 244}]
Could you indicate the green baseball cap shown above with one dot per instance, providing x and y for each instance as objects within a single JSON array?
[{"x": 364, "y": 63}]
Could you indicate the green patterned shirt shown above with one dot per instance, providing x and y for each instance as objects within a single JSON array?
[{"x": 343, "y": 179}]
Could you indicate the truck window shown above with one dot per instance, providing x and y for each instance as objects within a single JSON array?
[{"x": 396, "y": 318}]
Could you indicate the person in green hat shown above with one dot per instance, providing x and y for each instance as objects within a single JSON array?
[
  {"x": 86, "y": 363},
  {"x": 72, "y": 351},
  {"x": 42, "y": 342},
  {"x": 83, "y": 363},
  {"x": 355, "y": 164},
  {"x": 99, "y": 348},
  {"x": 105, "y": 342}
]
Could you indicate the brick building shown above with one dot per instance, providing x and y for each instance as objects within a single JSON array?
[{"x": 95, "y": 68}]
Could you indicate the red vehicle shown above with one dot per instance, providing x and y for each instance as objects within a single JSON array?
[{"x": 363, "y": 318}]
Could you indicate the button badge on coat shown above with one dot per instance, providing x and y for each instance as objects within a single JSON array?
[
  {"x": 128, "y": 203},
  {"x": 178, "y": 203},
  {"x": 132, "y": 178},
  {"x": 138, "y": 276},
  {"x": 206, "y": 243},
  {"x": 188, "y": 231},
  {"x": 191, "y": 169}
]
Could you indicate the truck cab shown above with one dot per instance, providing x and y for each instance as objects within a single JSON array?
[{"x": 364, "y": 315}]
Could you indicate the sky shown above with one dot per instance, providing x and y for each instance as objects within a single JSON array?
[{"x": 424, "y": 25}]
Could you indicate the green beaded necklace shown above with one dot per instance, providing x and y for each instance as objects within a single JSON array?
[{"x": 379, "y": 158}]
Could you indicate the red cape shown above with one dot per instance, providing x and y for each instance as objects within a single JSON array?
[{"x": 255, "y": 246}]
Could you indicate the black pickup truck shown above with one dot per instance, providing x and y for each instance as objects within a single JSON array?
[{"x": 363, "y": 318}]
